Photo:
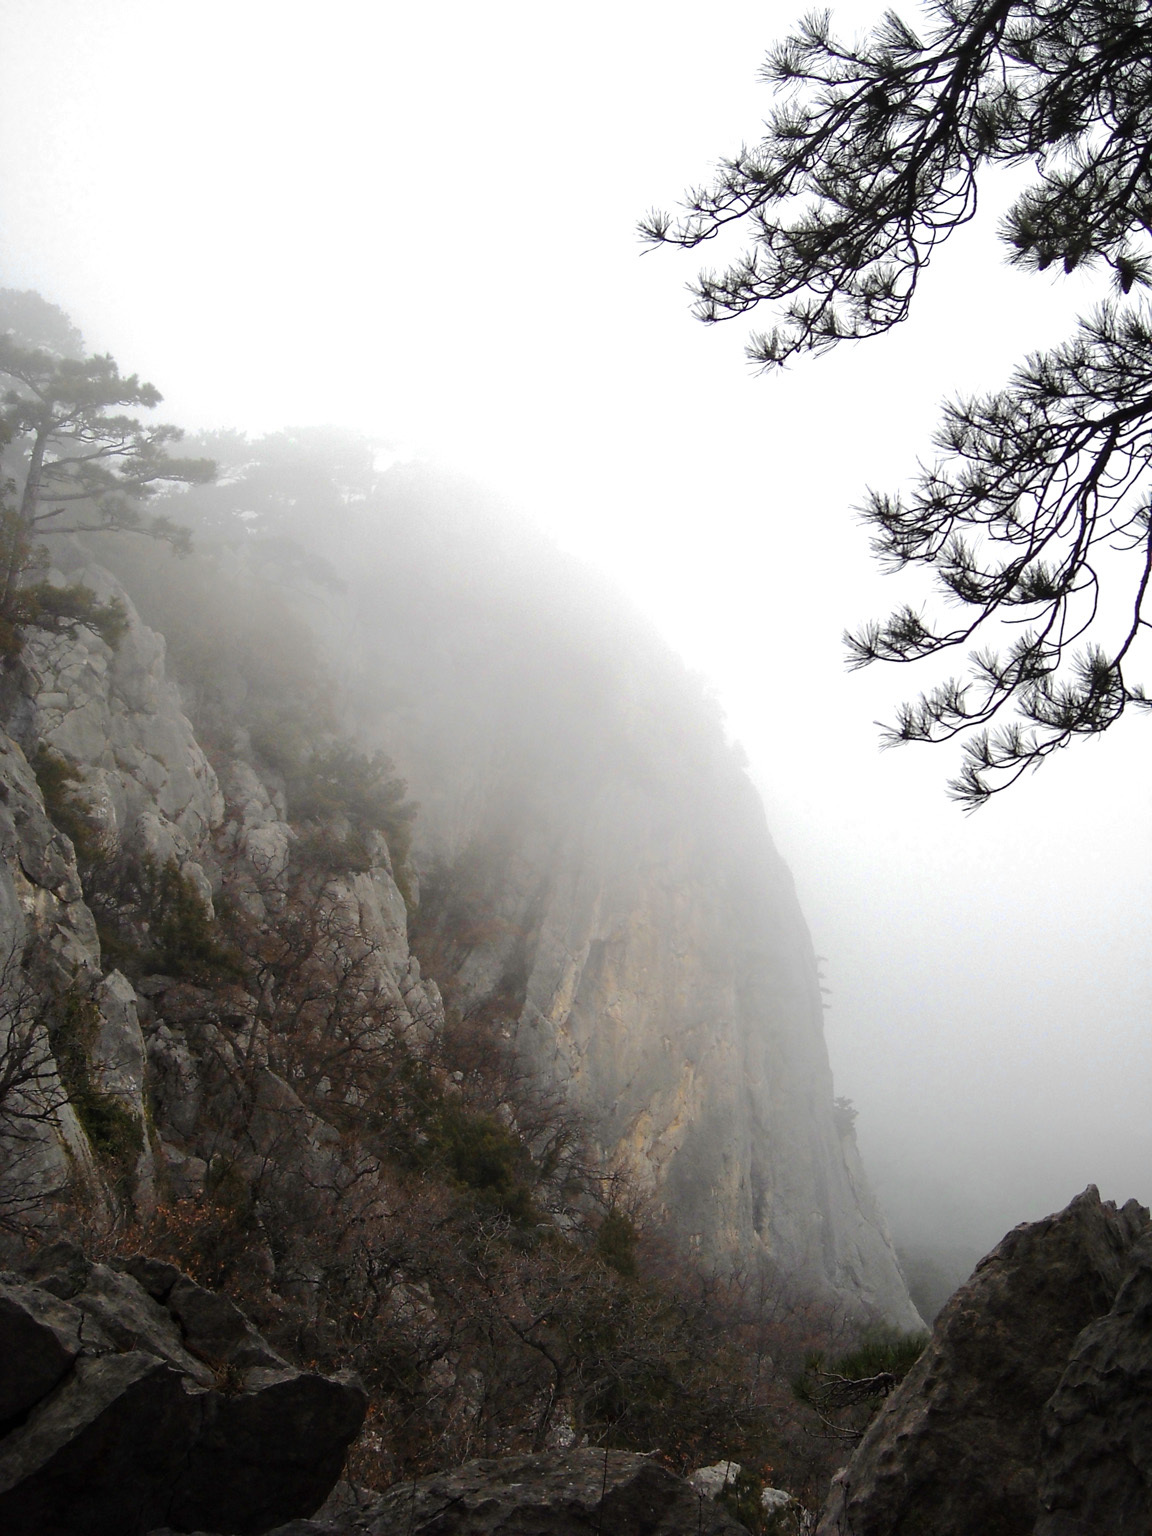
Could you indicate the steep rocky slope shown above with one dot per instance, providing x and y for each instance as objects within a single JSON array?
[
  {"x": 111, "y": 1088},
  {"x": 217, "y": 1045},
  {"x": 645, "y": 946},
  {"x": 598, "y": 876},
  {"x": 598, "y": 887},
  {"x": 221, "y": 1041}
]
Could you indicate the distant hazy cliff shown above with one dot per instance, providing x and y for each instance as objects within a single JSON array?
[
  {"x": 657, "y": 963},
  {"x": 597, "y": 871}
]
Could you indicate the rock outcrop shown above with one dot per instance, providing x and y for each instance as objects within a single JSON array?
[
  {"x": 580, "y": 1493},
  {"x": 132, "y": 1397},
  {"x": 1096, "y": 1445},
  {"x": 117, "y": 717},
  {"x": 43, "y": 1150},
  {"x": 1028, "y": 1411},
  {"x": 137, "y": 780},
  {"x": 145, "y": 790}
]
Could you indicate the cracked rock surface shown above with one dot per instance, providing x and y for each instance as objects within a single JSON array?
[
  {"x": 131, "y": 1397},
  {"x": 578, "y": 1493},
  {"x": 1028, "y": 1412}
]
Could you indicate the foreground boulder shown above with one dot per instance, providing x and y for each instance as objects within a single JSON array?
[
  {"x": 576, "y": 1493},
  {"x": 134, "y": 1398},
  {"x": 1036, "y": 1368},
  {"x": 1096, "y": 1448},
  {"x": 579, "y": 1493}
]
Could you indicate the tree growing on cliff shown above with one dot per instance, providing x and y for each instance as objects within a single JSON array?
[
  {"x": 77, "y": 457},
  {"x": 1036, "y": 514},
  {"x": 87, "y": 466}
]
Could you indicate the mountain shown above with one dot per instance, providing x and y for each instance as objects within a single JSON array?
[
  {"x": 393, "y": 939},
  {"x": 597, "y": 873}
]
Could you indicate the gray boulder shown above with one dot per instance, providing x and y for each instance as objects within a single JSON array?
[
  {"x": 957, "y": 1448},
  {"x": 96, "y": 1456},
  {"x": 579, "y": 1493},
  {"x": 130, "y": 1398},
  {"x": 211, "y": 1326},
  {"x": 266, "y": 1453},
  {"x": 1096, "y": 1450},
  {"x": 41, "y": 1338}
]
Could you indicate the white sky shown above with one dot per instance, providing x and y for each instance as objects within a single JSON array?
[{"x": 419, "y": 221}]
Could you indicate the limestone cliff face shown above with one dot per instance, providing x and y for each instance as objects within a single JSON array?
[
  {"x": 649, "y": 953},
  {"x": 598, "y": 876},
  {"x": 117, "y": 718},
  {"x": 41, "y": 904},
  {"x": 169, "y": 1054}
]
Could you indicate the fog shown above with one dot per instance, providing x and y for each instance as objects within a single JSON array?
[{"x": 419, "y": 222}]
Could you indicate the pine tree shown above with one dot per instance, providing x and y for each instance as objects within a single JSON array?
[
  {"x": 76, "y": 461},
  {"x": 871, "y": 158}
]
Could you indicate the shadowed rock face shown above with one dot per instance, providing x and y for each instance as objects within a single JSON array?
[
  {"x": 580, "y": 1493},
  {"x": 1028, "y": 1411},
  {"x": 116, "y": 1419},
  {"x": 1096, "y": 1449}
]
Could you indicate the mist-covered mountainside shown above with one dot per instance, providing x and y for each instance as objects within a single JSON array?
[
  {"x": 596, "y": 869},
  {"x": 391, "y": 938},
  {"x": 595, "y": 874}
]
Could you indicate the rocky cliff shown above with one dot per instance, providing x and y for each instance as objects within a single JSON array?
[
  {"x": 217, "y": 1040},
  {"x": 596, "y": 883},
  {"x": 598, "y": 875},
  {"x": 109, "y": 1087}
]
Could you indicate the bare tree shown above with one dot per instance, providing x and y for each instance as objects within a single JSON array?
[{"x": 31, "y": 1096}]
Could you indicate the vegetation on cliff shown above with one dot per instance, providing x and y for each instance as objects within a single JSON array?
[
  {"x": 74, "y": 462},
  {"x": 382, "y": 1183}
]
